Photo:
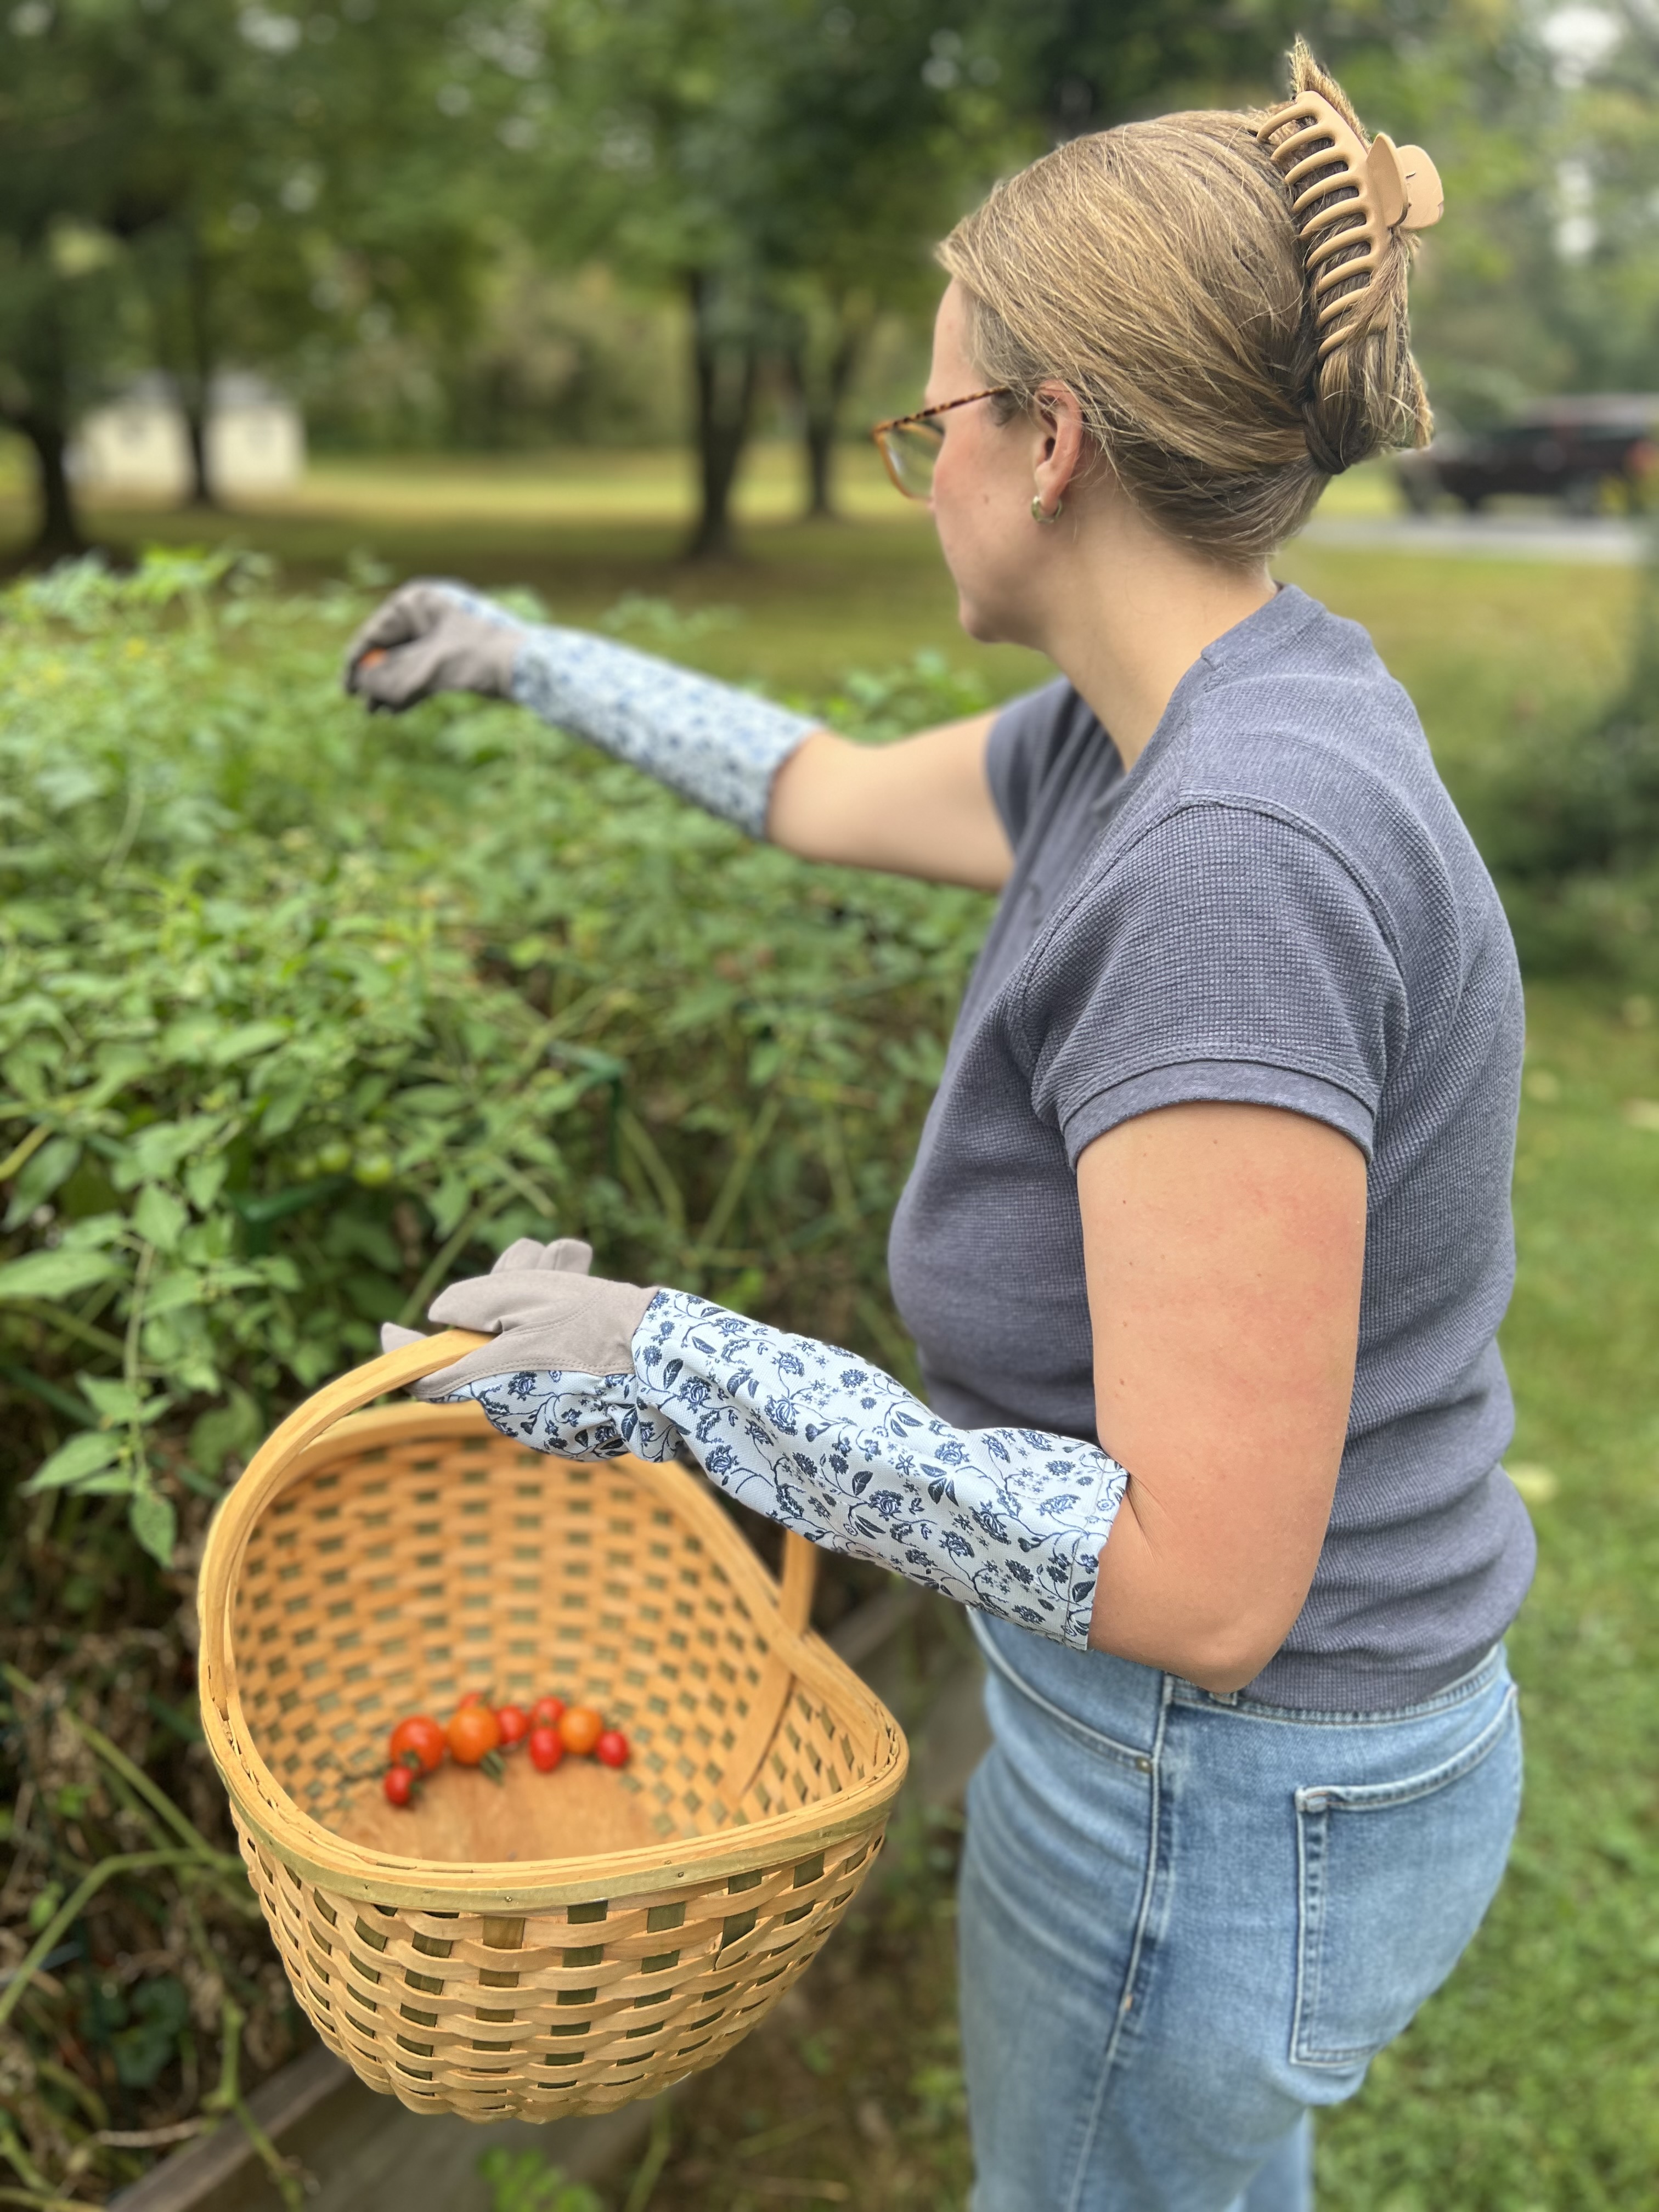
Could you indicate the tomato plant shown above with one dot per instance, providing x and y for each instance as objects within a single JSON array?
[{"x": 281, "y": 1050}]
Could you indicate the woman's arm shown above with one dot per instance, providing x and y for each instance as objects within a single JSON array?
[
  {"x": 920, "y": 807},
  {"x": 1224, "y": 1246}
]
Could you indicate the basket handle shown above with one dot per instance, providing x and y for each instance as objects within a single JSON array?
[
  {"x": 268, "y": 1469},
  {"x": 797, "y": 1582}
]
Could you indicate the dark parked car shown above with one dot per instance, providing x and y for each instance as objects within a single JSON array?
[{"x": 1571, "y": 449}]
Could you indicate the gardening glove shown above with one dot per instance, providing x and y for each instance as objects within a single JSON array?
[
  {"x": 545, "y": 1312},
  {"x": 433, "y": 636},
  {"x": 712, "y": 743}
]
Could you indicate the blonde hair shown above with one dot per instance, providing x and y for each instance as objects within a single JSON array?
[{"x": 1155, "y": 271}]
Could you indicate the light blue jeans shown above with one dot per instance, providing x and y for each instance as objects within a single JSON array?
[{"x": 1187, "y": 1920}]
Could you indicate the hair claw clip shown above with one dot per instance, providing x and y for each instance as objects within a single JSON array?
[{"x": 1344, "y": 197}]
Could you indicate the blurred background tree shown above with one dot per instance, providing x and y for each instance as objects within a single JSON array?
[{"x": 523, "y": 221}]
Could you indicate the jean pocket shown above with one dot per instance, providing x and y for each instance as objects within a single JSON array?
[{"x": 1393, "y": 1879}]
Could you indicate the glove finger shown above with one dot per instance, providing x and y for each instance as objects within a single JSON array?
[
  {"x": 565, "y": 1256},
  {"x": 522, "y": 1253},
  {"x": 394, "y": 1337},
  {"x": 492, "y": 1303},
  {"x": 400, "y": 675},
  {"x": 408, "y": 613},
  {"x": 440, "y": 1384},
  {"x": 412, "y": 609}
]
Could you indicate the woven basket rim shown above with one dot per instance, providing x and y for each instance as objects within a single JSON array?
[{"x": 316, "y": 1853}]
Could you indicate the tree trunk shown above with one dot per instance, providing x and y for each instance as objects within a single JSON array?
[
  {"x": 201, "y": 492},
  {"x": 196, "y": 385},
  {"x": 725, "y": 362},
  {"x": 821, "y": 393},
  {"x": 58, "y": 536}
]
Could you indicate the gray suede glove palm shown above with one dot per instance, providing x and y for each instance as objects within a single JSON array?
[
  {"x": 544, "y": 1311},
  {"x": 431, "y": 636}
]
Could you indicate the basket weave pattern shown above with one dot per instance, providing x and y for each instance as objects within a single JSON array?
[{"x": 367, "y": 1567}]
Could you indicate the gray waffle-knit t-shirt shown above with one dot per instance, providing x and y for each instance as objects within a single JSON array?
[{"x": 1279, "y": 905}]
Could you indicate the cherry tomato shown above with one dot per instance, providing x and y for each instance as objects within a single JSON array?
[
  {"x": 547, "y": 1712},
  {"x": 611, "y": 1749},
  {"x": 472, "y": 1697},
  {"x": 473, "y": 1733},
  {"x": 399, "y": 1784},
  {"x": 421, "y": 1735},
  {"x": 514, "y": 1724},
  {"x": 546, "y": 1749},
  {"x": 581, "y": 1728}
]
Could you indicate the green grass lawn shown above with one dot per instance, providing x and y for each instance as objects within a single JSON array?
[{"x": 1532, "y": 2082}]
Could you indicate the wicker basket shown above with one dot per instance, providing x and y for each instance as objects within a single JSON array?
[{"x": 568, "y": 1942}]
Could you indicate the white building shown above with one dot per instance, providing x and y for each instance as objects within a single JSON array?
[{"x": 138, "y": 446}]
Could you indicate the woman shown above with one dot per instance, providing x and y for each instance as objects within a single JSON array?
[{"x": 1208, "y": 1237}]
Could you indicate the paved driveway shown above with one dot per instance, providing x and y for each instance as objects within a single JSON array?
[{"x": 1601, "y": 539}]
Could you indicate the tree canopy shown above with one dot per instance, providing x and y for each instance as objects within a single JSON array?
[{"x": 191, "y": 186}]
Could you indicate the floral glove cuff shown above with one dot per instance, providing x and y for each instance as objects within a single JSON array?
[
  {"x": 709, "y": 741},
  {"x": 1008, "y": 1521}
]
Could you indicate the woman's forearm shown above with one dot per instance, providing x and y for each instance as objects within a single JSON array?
[
  {"x": 715, "y": 745},
  {"x": 1008, "y": 1521}
]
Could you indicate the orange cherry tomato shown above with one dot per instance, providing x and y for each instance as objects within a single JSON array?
[
  {"x": 423, "y": 1737},
  {"x": 546, "y": 1749},
  {"x": 581, "y": 1728},
  {"x": 547, "y": 1712},
  {"x": 514, "y": 1724},
  {"x": 399, "y": 1784},
  {"x": 473, "y": 1733},
  {"x": 611, "y": 1749}
]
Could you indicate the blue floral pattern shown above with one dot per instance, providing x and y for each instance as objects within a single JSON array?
[
  {"x": 709, "y": 741},
  {"x": 1008, "y": 1521}
]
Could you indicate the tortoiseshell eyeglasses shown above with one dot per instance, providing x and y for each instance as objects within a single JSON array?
[{"x": 910, "y": 444}]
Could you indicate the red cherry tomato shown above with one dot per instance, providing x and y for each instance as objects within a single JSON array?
[
  {"x": 581, "y": 1728},
  {"x": 472, "y": 1697},
  {"x": 399, "y": 1784},
  {"x": 473, "y": 1733},
  {"x": 611, "y": 1749},
  {"x": 421, "y": 1735},
  {"x": 546, "y": 1749},
  {"x": 547, "y": 1712},
  {"x": 514, "y": 1724}
]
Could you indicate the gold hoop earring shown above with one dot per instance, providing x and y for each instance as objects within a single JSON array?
[{"x": 1038, "y": 514}]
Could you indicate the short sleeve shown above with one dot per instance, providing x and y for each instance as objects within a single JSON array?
[
  {"x": 1024, "y": 739},
  {"x": 1227, "y": 955}
]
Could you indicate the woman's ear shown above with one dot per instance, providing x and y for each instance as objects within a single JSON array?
[{"x": 1061, "y": 446}]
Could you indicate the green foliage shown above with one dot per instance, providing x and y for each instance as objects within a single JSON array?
[
  {"x": 1567, "y": 817},
  {"x": 304, "y": 1013},
  {"x": 523, "y": 2181},
  {"x": 158, "y": 2014}
]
